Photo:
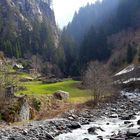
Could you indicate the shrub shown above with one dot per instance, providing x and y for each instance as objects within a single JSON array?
[{"x": 36, "y": 104}]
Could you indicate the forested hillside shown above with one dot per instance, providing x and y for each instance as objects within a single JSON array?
[
  {"x": 27, "y": 28},
  {"x": 107, "y": 31}
]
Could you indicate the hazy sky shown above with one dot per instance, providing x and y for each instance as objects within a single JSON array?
[{"x": 65, "y": 9}]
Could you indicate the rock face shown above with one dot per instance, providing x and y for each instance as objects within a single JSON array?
[
  {"x": 16, "y": 109},
  {"x": 29, "y": 20},
  {"x": 24, "y": 112},
  {"x": 61, "y": 95},
  {"x": 27, "y": 10}
]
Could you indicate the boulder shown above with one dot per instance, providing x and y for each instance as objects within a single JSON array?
[
  {"x": 92, "y": 130},
  {"x": 61, "y": 95},
  {"x": 127, "y": 117},
  {"x": 133, "y": 132},
  {"x": 74, "y": 125},
  {"x": 127, "y": 122},
  {"x": 138, "y": 122}
]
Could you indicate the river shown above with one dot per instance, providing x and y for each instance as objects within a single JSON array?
[{"x": 110, "y": 126}]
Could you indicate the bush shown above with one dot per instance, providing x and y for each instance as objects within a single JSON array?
[{"x": 36, "y": 104}]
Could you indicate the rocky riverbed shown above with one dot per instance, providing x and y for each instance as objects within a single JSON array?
[{"x": 117, "y": 120}]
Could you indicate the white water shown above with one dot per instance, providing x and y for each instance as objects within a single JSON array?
[{"x": 115, "y": 125}]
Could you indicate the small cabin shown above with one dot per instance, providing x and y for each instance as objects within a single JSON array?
[{"x": 17, "y": 66}]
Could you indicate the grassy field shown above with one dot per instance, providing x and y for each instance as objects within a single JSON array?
[{"x": 71, "y": 86}]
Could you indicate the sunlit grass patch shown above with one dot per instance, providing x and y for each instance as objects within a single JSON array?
[{"x": 71, "y": 86}]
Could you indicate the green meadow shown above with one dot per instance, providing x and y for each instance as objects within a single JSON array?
[{"x": 71, "y": 86}]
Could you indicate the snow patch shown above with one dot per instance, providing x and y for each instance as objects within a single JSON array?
[
  {"x": 131, "y": 80},
  {"x": 126, "y": 70},
  {"x": 126, "y": 81}
]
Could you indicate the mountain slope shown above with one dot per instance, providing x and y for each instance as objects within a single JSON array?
[
  {"x": 27, "y": 26},
  {"x": 107, "y": 31}
]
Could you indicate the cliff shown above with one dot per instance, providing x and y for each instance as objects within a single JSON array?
[{"x": 24, "y": 23}]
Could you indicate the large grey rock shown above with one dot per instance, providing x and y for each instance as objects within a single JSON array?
[
  {"x": 24, "y": 112},
  {"x": 127, "y": 117},
  {"x": 92, "y": 130},
  {"x": 133, "y": 132},
  {"x": 74, "y": 125},
  {"x": 61, "y": 95},
  {"x": 127, "y": 122},
  {"x": 138, "y": 122}
]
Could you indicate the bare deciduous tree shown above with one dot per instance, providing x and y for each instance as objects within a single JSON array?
[{"x": 98, "y": 80}]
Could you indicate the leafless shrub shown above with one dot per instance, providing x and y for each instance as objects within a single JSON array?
[{"x": 98, "y": 80}]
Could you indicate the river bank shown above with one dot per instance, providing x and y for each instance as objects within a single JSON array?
[{"x": 116, "y": 120}]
